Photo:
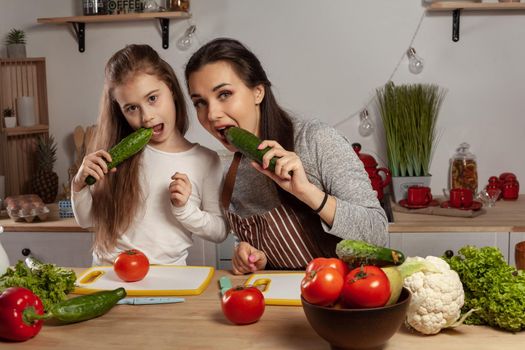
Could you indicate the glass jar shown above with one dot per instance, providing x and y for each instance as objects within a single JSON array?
[
  {"x": 464, "y": 169},
  {"x": 178, "y": 5}
]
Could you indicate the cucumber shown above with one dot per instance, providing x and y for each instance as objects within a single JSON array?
[
  {"x": 361, "y": 253},
  {"x": 127, "y": 147},
  {"x": 86, "y": 307},
  {"x": 247, "y": 143}
]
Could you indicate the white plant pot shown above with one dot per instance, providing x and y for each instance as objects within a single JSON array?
[
  {"x": 400, "y": 185},
  {"x": 10, "y": 122},
  {"x": 16, "y": 51}
]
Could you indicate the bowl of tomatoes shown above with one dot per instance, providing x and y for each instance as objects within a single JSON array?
[{"x": 352, "y": 308}]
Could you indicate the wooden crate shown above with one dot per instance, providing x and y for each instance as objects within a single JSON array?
[{"x": 21, "y": 77}]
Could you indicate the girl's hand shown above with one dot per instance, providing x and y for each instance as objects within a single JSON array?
[
  {"x": 180, "y": 189},
  {"x": 94, "y": 164},
  {"x": 247, "y": 259},
  {"x": 289, "y": 173}
]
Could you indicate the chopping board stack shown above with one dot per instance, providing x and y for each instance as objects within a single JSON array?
[{"x": 82, "y": 138}]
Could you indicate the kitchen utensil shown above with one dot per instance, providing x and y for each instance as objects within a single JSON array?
[
  {"x": 374, "y": 173},
  {"x": 519, "y": 255},
  {"x": 78, "y": 138},
  {"x": 160, "y": 280},
  {"x": 357, "y": 328},
  {"x": 460, "y": 198},
  {"x": 149, "y": 301},
  {"x": 278, "y": 288},
  {"x": 419, "y": 195}
]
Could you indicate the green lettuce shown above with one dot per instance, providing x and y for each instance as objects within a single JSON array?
[
  {"x": 493, "y": 288},
  {"x": 49, "y": 282}
]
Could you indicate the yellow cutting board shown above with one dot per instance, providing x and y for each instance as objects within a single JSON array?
[
  {"x": 160, "y": 280},
  {"x": 279, "y": 288}
]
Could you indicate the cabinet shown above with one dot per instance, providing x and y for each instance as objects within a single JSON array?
[
  {"x": 21, "y": 77},
  {"x": 79, "y": 23},
  {"x": 71, "y": 249}
]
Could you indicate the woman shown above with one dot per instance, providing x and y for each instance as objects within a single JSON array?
[{"x": 319, "y": 192}]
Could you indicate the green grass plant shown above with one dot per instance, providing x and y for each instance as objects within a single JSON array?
[{"x": 409, "y": 114}]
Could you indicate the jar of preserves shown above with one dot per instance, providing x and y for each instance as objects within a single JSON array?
[{"x": 464, "y": 169}]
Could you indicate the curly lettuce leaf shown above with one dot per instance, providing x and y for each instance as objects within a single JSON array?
[
  {"x": 49, "y": 282},
  {"x": 492, "y": 287}
]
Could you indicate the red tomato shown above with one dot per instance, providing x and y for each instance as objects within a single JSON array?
[
  {"x": 366, "y": 287},
  {"x": 322, "y": 287},
  {"x": 243, "y": 305},
  {"x": 131, "y": 265},
  {"x": 335, "y": 263}
]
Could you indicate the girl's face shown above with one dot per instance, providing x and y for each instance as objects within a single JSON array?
[
  {"x": 146, "y": 101},
  {"x": 221, "y": 100}
]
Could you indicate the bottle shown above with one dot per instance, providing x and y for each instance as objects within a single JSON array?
[{"x": 464, "y": 169}]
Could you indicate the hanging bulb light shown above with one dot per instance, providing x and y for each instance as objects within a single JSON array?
[
  {"x": 185, "y": 41},
  {"x": 415, "y": 63},
  {"x": 366, "y": 127}
]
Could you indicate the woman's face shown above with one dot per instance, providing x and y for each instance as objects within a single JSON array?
[
  {"x": 146, "y": 101},
  {"x": 221, "y": 100}
]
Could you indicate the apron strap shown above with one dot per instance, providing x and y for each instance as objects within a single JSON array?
[{"x": 229, "y": 181}]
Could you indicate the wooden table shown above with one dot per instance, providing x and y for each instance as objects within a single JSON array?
[{"x": 198, "y": 323}]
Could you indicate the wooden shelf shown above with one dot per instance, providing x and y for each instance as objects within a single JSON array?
[
  {"x": 79, "y": 22},
  {"x": 475, "y": 6},
  {"x": 128, "y": 17},
  {"x": 21, "y": 130},
  {"x": 457, "y": 6}
]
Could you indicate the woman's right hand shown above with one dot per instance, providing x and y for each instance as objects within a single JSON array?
[
  {"x": 94, "y": 164},
  {"x": 247, "y": 259}
]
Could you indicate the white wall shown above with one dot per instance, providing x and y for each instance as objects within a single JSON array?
[{"x": 325, "y": 59}]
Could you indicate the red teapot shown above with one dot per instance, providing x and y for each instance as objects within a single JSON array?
[{"x": 373, "y": 171}]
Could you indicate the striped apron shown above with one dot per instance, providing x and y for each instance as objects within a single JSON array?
[{"x": 278, "y": 232}]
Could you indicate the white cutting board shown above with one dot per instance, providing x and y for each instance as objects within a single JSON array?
[
  {"x": 279, "y": 288},
  {"x": 160, "y": 280}
]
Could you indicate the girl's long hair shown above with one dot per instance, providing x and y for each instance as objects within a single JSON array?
[
  {"x": 117, "y": 197},
  {"x": 275, "y": 123}
]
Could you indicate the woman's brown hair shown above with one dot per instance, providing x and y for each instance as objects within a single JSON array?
[
  {"x": 275, "y": 123},
  {"x": 117, "y": 197}
]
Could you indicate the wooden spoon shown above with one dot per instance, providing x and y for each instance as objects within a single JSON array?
[{"x": 78, "y": 138}]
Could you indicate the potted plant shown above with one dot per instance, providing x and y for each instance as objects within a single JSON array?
[
  {"x": 409, "y": 114},
  {"x": 9, "y": 118},
  {"x": 16, "y": 43}
]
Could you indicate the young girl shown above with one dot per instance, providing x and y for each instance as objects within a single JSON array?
[
  {"x": 156, "y": 200},
  {"x": 319, "y": 191}
]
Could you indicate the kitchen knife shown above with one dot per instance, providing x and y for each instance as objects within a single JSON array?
[{"x": 149, "y": 301}]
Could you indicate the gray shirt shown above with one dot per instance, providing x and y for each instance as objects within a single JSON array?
[{"x": 332, "y": 165}]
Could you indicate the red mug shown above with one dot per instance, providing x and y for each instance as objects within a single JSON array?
[
  {"x": 419, "y": 195},
  {"x": 460, "y": 198}
]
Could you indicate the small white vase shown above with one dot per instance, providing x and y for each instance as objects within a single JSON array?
[
  {"x": 400, "y": 185},
  {"x": 10, "y": 122}
]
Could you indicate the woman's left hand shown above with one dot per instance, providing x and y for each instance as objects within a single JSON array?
[{"x": 289, "y": 173}]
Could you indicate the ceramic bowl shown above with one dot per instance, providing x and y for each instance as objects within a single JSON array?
[{"x": 357, "y": 328}]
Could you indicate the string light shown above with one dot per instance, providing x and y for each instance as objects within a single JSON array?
[
  {"x": 415, "y": 63},
  {"x": 366, "y": 127},
  {"x": 401, "y": 59},
  {"x": 186, "y": 40}
]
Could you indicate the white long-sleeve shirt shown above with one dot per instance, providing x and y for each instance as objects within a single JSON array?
[{"x": 160, "y": 230}]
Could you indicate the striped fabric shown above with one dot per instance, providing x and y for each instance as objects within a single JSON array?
[{"x": 279, "y": 235}]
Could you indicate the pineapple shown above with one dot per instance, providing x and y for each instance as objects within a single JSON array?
[{"x": 45, "y": 181}]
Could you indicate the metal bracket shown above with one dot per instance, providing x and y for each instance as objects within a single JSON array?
[
  {"x": 80, "y": 30},
  {"x": 455, "y": 25},
  {"x": 165, "y": 30}
]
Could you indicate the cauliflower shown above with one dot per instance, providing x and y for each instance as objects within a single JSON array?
[{"x": 437, "y": 296}]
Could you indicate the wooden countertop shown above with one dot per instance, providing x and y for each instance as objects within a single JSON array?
[
  {"x": 506, "y": 216},
  {"x": 198, "y": 323}
]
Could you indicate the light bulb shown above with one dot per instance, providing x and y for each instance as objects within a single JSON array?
[
  {"x": 366, "y": 127},
  {"x": 415, "y": 63},
  {"x": 185, "y": 41}
]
